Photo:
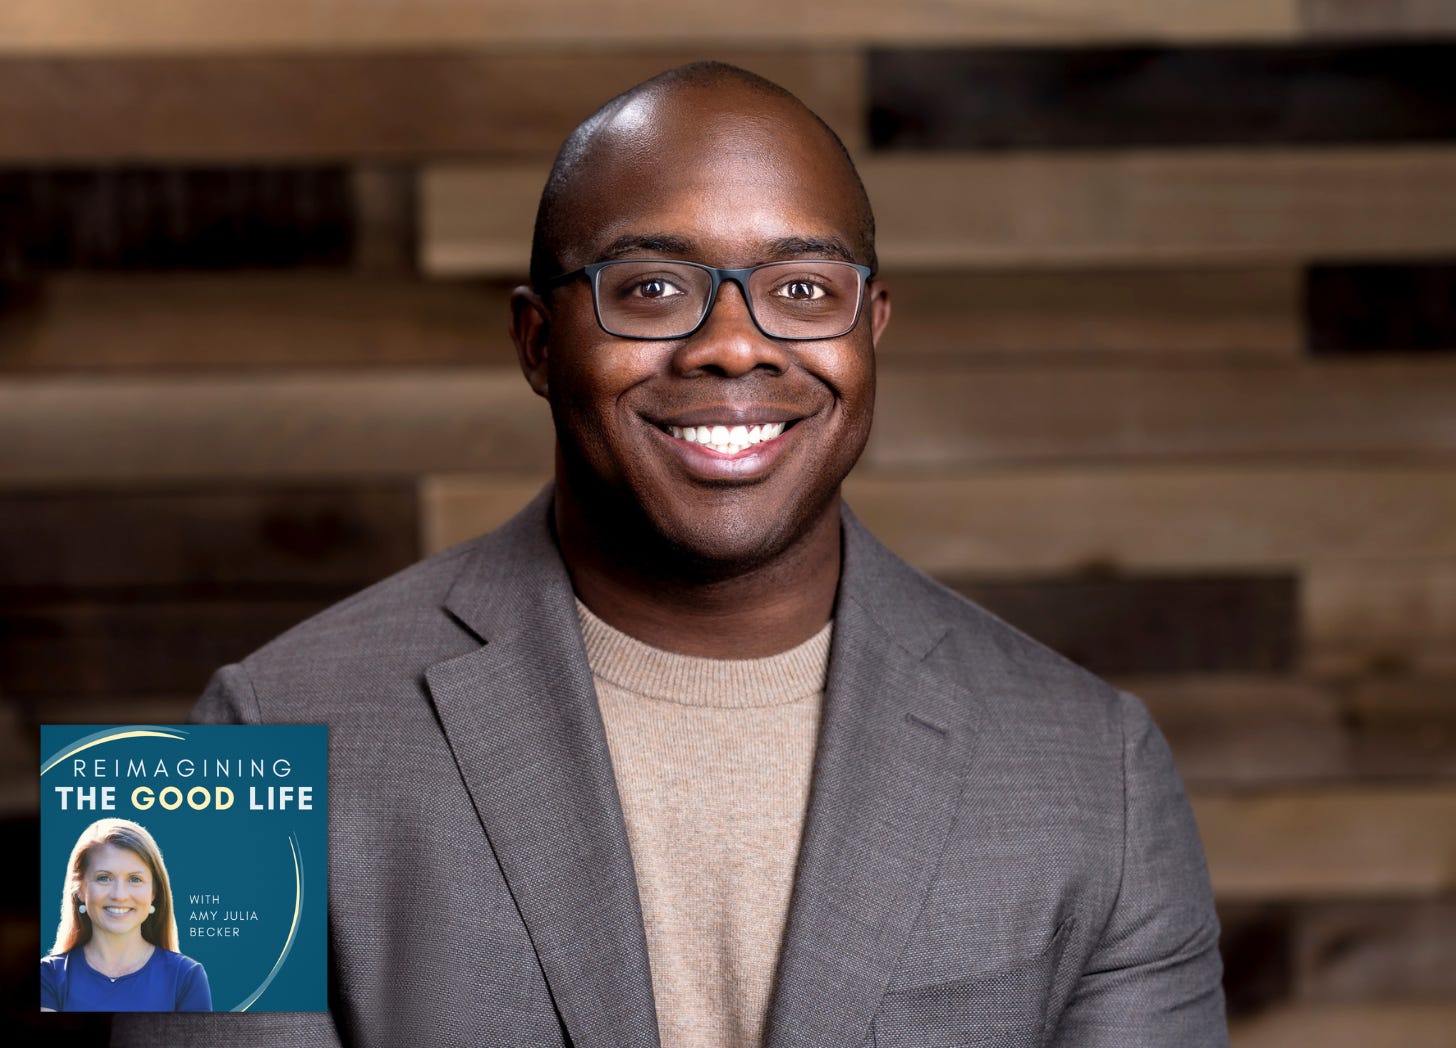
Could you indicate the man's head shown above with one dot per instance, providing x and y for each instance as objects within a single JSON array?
[{"x": 711, "y": 165}]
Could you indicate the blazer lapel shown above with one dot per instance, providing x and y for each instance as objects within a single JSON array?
[
  {"x": 888, "y": 774},
  {"x": 521, "y": 717}
]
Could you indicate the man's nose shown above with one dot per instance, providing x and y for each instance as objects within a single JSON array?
[{"x": 729, "y": 342}]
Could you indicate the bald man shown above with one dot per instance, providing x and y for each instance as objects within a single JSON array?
[{"x": 681, "y": 755}]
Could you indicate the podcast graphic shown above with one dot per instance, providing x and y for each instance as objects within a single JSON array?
[{"x": 184, "y": 867}]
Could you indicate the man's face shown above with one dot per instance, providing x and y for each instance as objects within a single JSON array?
[{"x": 727, "y": 179}]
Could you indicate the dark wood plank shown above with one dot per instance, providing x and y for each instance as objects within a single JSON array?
[
  {"x": 166, "y": 218},
  {"x": 1153, "y": 624},
  {"x": 227, "y": 540},
  {"x": 250, "y": 321},
  {"x": 97, "y": 648},
  {"x": 1378, "y": 18},
  {"x": 1257, "y": 944},
  {"x": 983, "y": 414},
  {"x": 1097, "y": 97},
  {"x": 1380, "y": 308},
  {"x": 336, "y": 106}
]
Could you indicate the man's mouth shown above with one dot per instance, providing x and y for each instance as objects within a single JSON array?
[{"x": 725, "y": 439}]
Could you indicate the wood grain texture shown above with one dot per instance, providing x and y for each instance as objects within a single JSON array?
[
  {"x": 1043, "y": 209},
  {"x": 943, "y": 418},
  {"x": 1152, "y": 623},
  {"x": 1383, "y": 615},
  {"x": 52, "y": 652},
  {"x": 1415, "y": 1024},
  {"x": 1335, "y": 843},
  {"x": 1094, "y": 313},
  {"x": 1164, "y": 518},
  {"x": 457, "y": 508},
  {"x": 109, "y": 217},
  {"x": 95, "y": 26},
  {"x": 223, "y": 540},
  {"x": 1374, "y": 950},
  {"x": 1241, "y": 730},
  {"x": 342, "y": 106},
  {"x": 250, "y": 321},
  {"x": 1383, "y": 18},
  {"x": 270, "y": 427},
  {"x": 1100, "y": 97}
]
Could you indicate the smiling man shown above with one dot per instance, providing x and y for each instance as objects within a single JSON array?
[{"x": 682, "y": 755}]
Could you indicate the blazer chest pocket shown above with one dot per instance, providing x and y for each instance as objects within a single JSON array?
[{"x": 1001, "y": 1009}]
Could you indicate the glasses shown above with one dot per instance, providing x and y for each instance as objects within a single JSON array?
[{"x": 653, "y": 298}]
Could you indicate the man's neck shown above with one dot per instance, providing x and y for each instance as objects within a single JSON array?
[{"x": 761, "y": 610}]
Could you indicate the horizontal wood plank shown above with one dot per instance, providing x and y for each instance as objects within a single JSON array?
[
  {"x": 342, "y": 425},
  {"x": 1102, "y": 97},
  {"x": 943, "y": 418},
  {"x": 331, "y": 105},
  {"x": 223, "y": 540},
  {"x": 273, "y": 321},
  {"x": 96, "y": 26},
  {"x": 1414, "y": 1024},
  {"x": 1386, "y": 615},
  {"x": 1374, "y": 950},
  {"x": 1384, "y": 18},
  {"x": 1102, "y": 313},
  {"x": 1337, "y": 843},
  {"x": 51, "y": 653},
  {"x": 1036, "y": 521},
  {"x": 1242, "y": 730},
  {"x": 1143, "y": 208},
  {"x": 1160, "y": 517}
]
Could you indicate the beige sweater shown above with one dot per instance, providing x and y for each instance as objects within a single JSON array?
[{"x": 712, "y": 760}]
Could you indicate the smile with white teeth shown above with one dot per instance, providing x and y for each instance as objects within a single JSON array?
[
  {"x": 118, "y": 911},
  {"x": 727, "y": 440}
]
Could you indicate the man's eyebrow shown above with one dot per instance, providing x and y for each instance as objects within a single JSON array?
[
  {"x": 815, "y": 247},
  {"x": 661, "y": 244}
]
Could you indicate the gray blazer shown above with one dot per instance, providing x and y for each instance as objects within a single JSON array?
[{"x": 998, "y": 851}]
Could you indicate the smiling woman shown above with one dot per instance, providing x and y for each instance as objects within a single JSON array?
[{"x": 116, "y": 945}]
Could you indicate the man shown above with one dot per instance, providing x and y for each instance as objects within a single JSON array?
[{"x": 681, "y": 755}]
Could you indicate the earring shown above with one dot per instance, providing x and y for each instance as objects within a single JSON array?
[
  {"x": 151, "y": 909},
  {"x": 83, "y": 907}
]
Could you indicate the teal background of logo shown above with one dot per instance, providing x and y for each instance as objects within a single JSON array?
[{"x": 241, "y": 855}]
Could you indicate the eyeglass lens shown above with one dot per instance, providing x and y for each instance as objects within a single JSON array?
[{"x": 655, "y": 299}]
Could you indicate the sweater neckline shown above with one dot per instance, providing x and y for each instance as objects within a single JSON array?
[{"x": 691, "y": 680}]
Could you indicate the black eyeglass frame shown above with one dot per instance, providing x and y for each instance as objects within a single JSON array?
[{"x": 718, "y": 276}]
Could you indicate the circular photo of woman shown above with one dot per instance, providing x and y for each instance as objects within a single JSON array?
[{"x": 116, "y": 946}]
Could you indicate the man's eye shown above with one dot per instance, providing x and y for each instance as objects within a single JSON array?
[
  {"x": 802, "y": 290},
  {"x": 656, "y": 289}
]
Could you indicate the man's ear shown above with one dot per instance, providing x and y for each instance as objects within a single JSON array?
[
  {"x": 879, "y": 293},
  {"x": 531, "y": 332}
]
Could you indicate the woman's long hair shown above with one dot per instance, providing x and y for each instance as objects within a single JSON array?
[{"x": 159, "y": 929}]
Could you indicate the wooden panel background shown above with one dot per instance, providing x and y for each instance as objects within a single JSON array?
[{"x": 1169, "y": 383}]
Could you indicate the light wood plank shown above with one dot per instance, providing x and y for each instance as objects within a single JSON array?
[
  {"x": 328, "y": 105},
  {"x": 393, "y": 424},
  {"x": 1102, "y": 313},
  {"x": 1384, "y": 615},
  {"x": 1330, "y": 843},
  {"x": 140, "y": 322},
  {"x": 1130, "y": 207},
  {"x": 936, "y": 418},
  {"x": 97, "y": 26},
  {"x": 1415, "y": 1024},
  {"x": 1160, "y": 518},
  {"x": 457, "y": 508},
  {"x": 1371, "y": 950},
  {"x": 1378, "y": 18}
]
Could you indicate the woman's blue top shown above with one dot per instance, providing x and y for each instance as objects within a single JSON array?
[{"x": 168, "y": 982}]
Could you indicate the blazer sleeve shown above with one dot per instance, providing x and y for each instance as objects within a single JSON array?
[
  {"x": 229, "y": 699},
  {"x": 1154, "y": 977}
]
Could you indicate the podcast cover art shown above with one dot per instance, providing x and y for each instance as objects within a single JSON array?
[{"x": 184, "y": 867}]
